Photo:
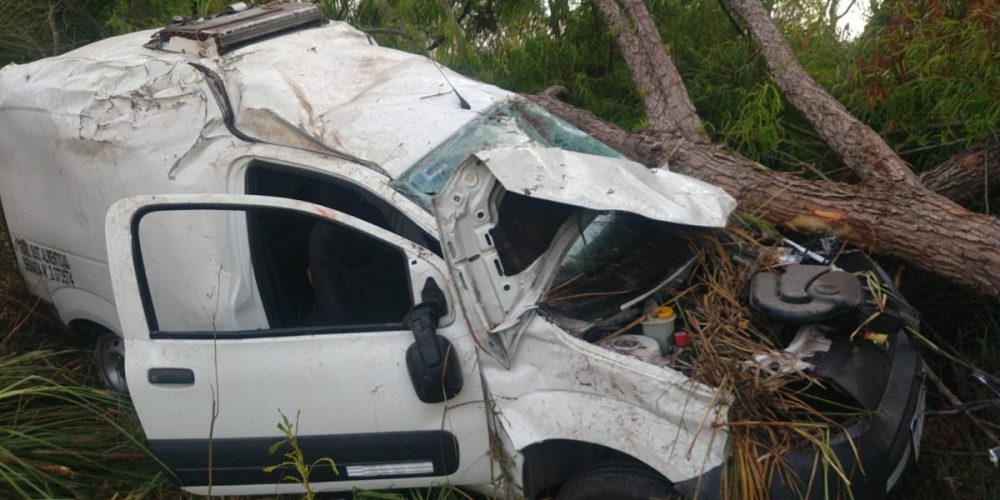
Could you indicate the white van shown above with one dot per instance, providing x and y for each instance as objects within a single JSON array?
[{"x": 264, "y": 212}]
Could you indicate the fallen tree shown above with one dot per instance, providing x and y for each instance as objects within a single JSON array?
[{"x": 890, "y": 211}]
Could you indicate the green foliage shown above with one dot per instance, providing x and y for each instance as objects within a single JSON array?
[
  {"x": 294, "y": 457},
  {"x": 757, "y": 128},
  {"x": 928, "y": 75},
  {"x": 61, "y": 438},
  {"x": 124, "y": 16}
]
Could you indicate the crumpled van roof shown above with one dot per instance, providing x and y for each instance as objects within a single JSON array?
[{"x": 325, "y": 87}]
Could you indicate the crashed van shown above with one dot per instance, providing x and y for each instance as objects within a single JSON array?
[{"x": 266, "y": 213}]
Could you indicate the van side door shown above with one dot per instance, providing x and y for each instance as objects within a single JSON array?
[{"x": 211, "y": 371}]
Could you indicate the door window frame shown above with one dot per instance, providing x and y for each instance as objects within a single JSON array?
[
  {"x": 250, "y": 188},
  {"x": 149, "y": 310}
]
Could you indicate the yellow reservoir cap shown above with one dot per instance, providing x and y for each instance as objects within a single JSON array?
[{"x": 663, "y": 312}]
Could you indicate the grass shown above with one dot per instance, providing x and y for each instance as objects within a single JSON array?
[
  {"x": 61, "y": 438},
  {"x": 60, "y": 435}
]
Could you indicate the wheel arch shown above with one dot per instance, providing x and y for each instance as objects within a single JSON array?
[
  {"x": 82, "y": 311},
  {"x": 548, "y": 424},
  {"x": 87, "y": 328},
  {"x": 550, "y": 463}
]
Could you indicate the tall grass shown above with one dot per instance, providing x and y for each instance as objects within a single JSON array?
[
  {"x": 60, "y": 435},
  {"x": 59, "y": 438}
]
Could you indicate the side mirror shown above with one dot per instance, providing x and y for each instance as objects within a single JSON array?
[{"x": 435, "y": 371}]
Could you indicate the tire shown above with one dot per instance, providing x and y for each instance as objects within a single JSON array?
[
  {"x": 617, "y": 481},
  {"x": 109, "y": 361}
]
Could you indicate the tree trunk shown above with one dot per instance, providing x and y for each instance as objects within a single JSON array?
[
  {"x": 968, "y": 176},
  {"x": 668, "y": 106},
  {"x": 891, "y": 212},
  {"x": 928, "y": 231},
  {"x": 858, "y": 145}
]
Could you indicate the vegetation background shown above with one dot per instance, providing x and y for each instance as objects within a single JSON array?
[{"x": 925, "y": 74}]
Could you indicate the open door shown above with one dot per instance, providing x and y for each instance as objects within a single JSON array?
[
  {"x": 239, "y": 309},
  {"x": 509, "y": 216}
]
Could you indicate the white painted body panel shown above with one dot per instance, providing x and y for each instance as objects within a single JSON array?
[
  {"x": 653, "y": 413},
  {"x": 113, "y": 119},
  {"x": 338, "y": 383}
]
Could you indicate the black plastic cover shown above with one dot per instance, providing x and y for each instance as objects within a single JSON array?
[
  {"x": 433, "y": 364},
  {"x": 435, "y": 383},
  {"x": 805, "y": 293}
]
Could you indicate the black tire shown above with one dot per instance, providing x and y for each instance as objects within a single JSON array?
[
  {"x": 617, "y": 481},
  {"x": 109, "y": 361}
]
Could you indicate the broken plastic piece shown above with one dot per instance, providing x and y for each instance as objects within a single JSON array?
[
  {"x": 809, "y": 341},
  {"x": 878, "y": 338},
  {"x": 635, "y": 346},
  {"x": 236, "y": 7}
]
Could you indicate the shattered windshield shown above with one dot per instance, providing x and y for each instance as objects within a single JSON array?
[
  {"x": 618, "y": 257},
  {"x": 508, "y": 124}
]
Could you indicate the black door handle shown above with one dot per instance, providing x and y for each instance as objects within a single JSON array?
[{"x": 176, "y": 376}]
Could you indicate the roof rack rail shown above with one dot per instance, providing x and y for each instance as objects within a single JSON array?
[{"x": 237, "y": 25}]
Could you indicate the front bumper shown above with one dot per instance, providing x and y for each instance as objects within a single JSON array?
[{"x": 885, "y": 442}]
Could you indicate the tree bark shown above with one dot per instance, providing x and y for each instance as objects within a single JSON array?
[
  {"x": 668, "y": 106},
  {"x": 858, "y": 145},
  {"x": 928, "y": 231},
  {"x": 967, "y": 176},
  {"x": 891, "y": 212}
]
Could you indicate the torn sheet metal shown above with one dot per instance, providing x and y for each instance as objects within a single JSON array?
[
  {"x": 606, "y": 184},
  {"x": 500, "y": 302}
]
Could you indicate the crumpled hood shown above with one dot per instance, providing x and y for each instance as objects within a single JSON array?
[
  {"x": 601, "y": 183},
  {"x": 332, "y": 86}
]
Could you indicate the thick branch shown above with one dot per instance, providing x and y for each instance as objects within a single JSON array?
[
  {"x": 905, "y": 221},
  {"x": 668, "y": 106},
  {"x": 858, "y": 145},
  {"x": 50, "y": 19},
  {"x": 970, "y": 175}
]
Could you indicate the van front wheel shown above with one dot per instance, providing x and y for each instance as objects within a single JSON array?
[
  {"x": 109, "y": 360},
  {"x": 617, "y": 481}
]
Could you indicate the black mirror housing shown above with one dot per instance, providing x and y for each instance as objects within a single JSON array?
[
  {"x": 433, "y": 364},
  {"x": 441, "y": 382}
]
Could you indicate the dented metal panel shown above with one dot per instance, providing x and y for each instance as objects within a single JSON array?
[
  {"x": 115, "y": 119},
  {"x": 601, "y": 183},
  {"x": 590, "y": 394},
  {"x": 325, "y": 87},
  {"x": 500, "y": 302}
]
